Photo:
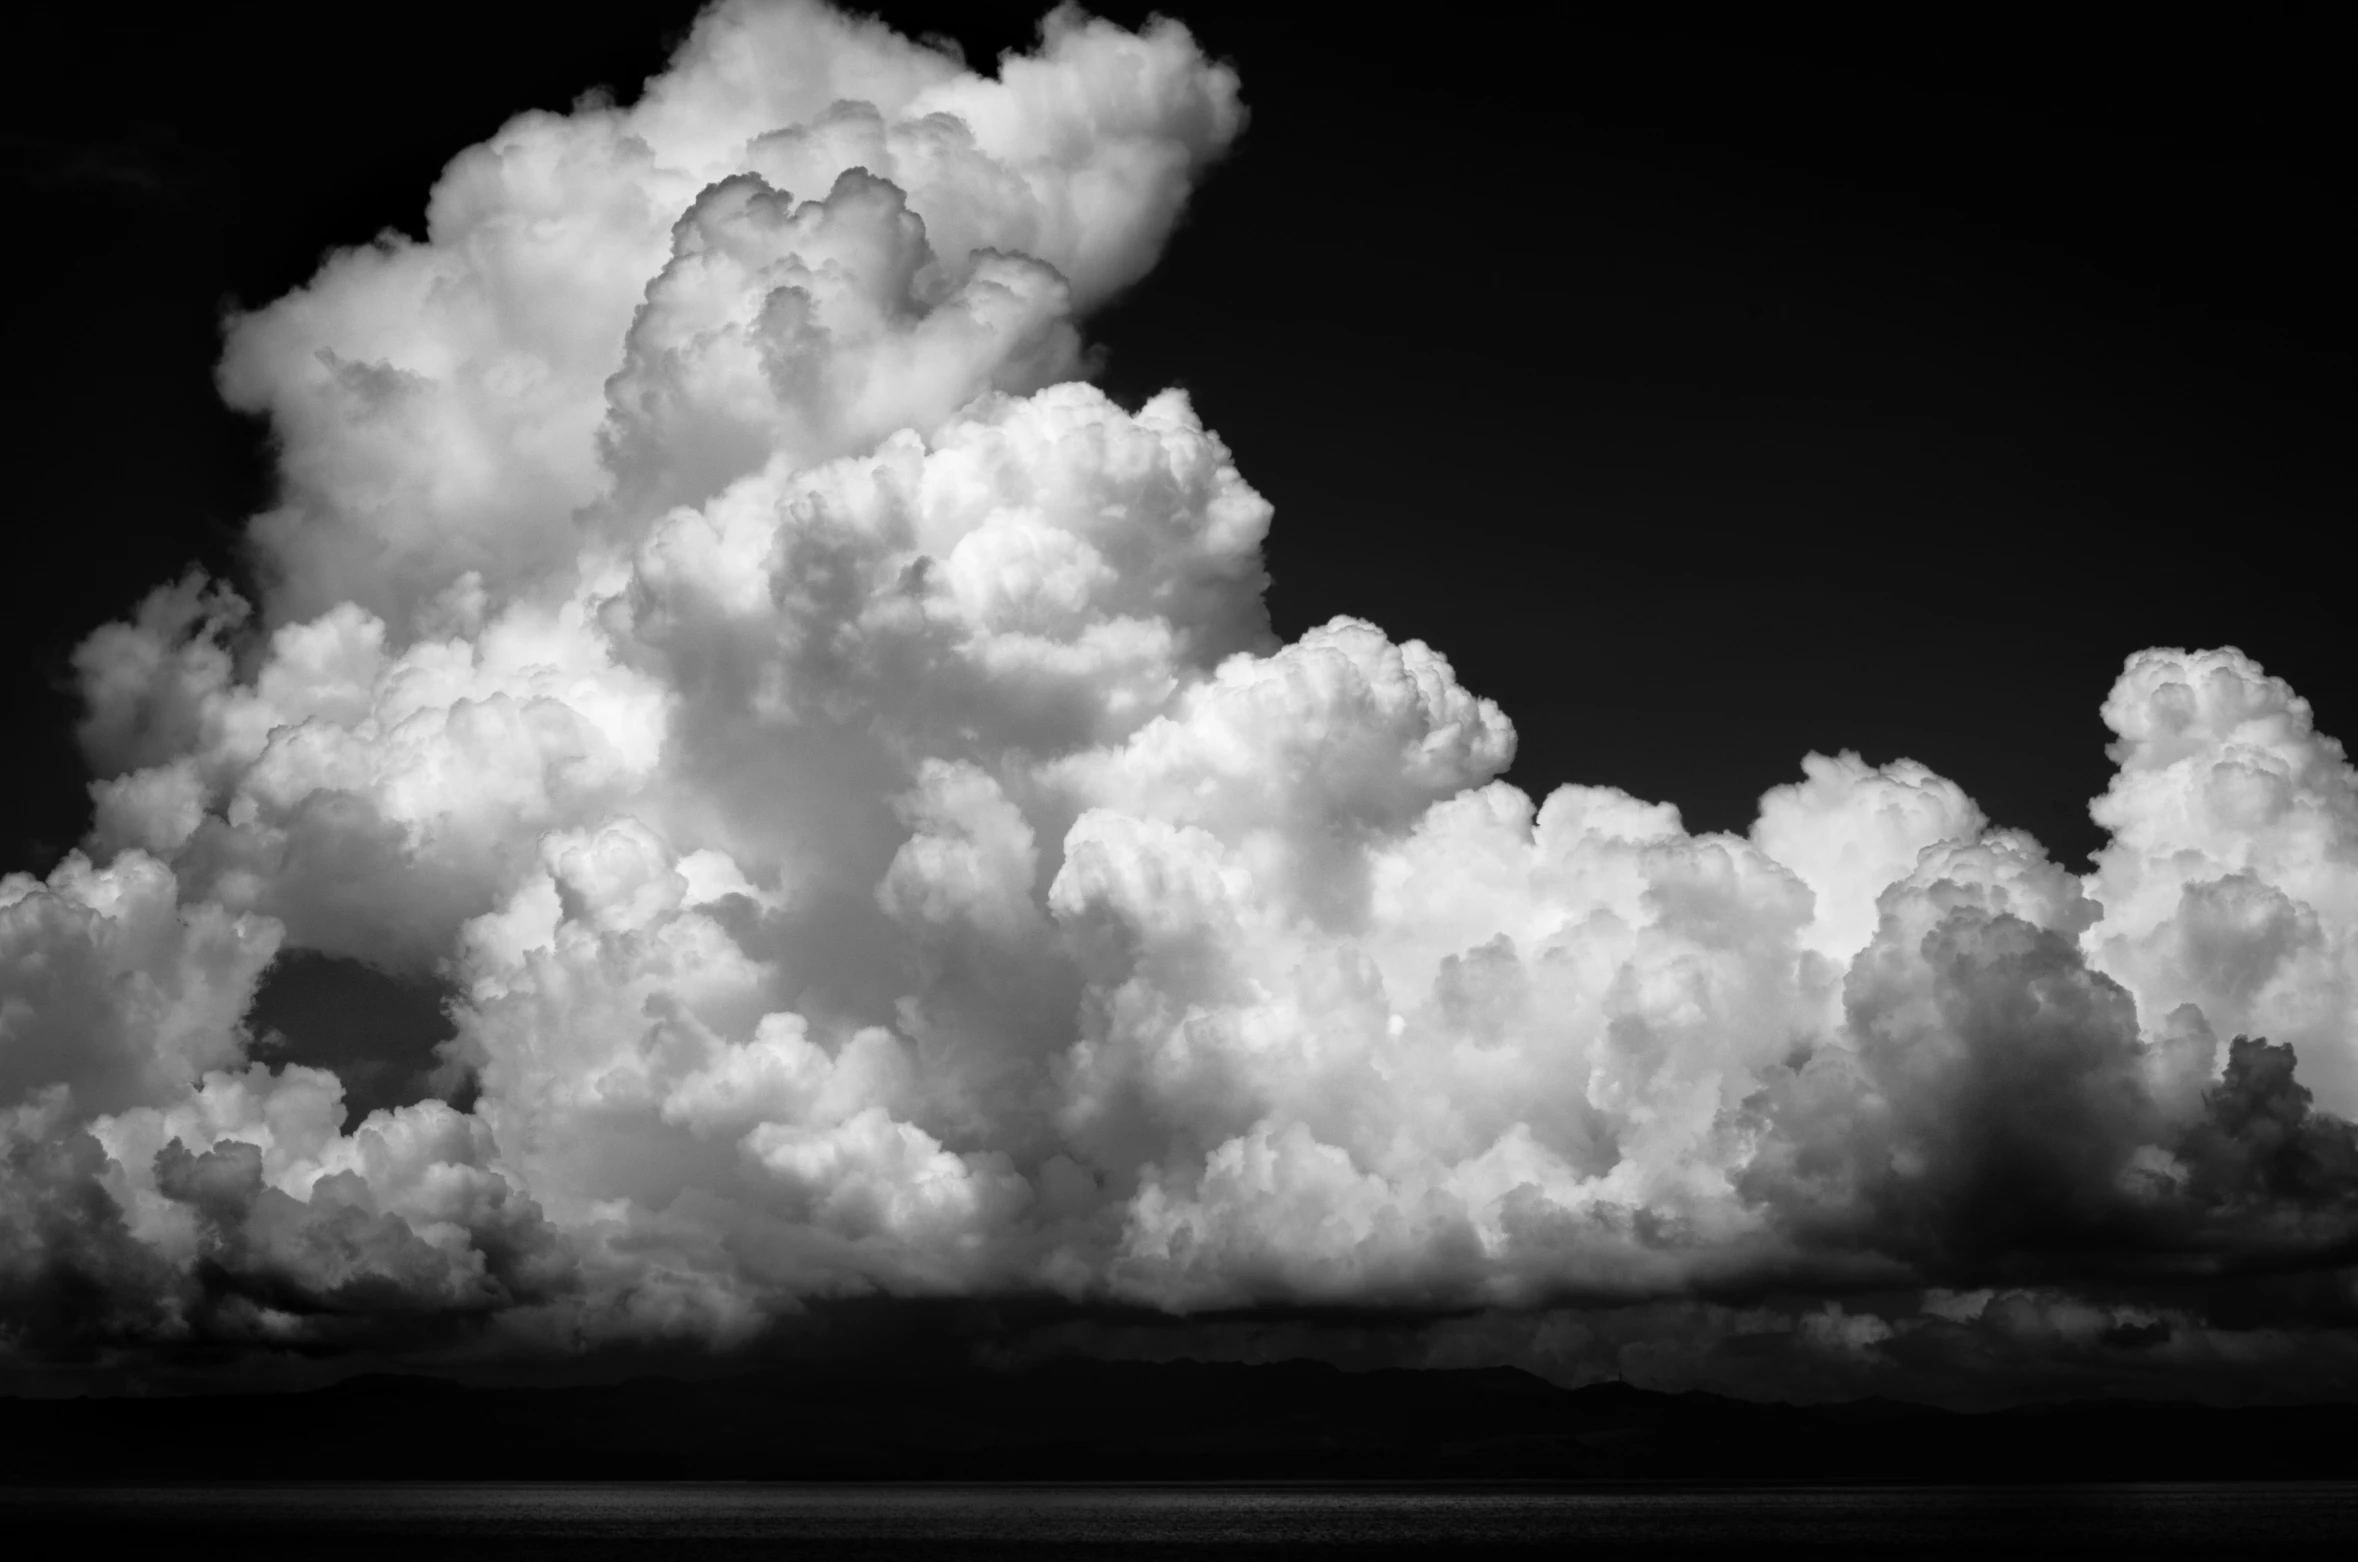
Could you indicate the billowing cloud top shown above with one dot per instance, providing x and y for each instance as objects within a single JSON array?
[{"x": 842, "y": 762}]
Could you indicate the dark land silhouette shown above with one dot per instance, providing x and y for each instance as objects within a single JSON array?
[{"x": 1093, "y": 1420}]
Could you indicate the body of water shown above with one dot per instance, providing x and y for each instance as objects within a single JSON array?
[{"x": 447, "y": 1523}]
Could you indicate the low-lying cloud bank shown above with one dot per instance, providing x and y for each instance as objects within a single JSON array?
[{"x": 843, "y": 763}]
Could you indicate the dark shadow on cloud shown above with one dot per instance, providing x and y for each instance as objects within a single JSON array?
[
  {"x": 2263, "y": 1143},
  {"x": 73, "y": 1279},
  {"x": 1999, "y": 1124}
]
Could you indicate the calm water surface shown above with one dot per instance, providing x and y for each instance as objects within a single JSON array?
[{"x": 443, "y": 1523}]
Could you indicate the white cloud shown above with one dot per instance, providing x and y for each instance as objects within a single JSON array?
[
  {"x": 844, "y": 766},
  {"x": 441, "y": 402},
  {"x": 2231, "y": 880}
]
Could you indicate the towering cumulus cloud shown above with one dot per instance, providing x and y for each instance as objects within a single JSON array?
[{"x": 843, "y": 765}]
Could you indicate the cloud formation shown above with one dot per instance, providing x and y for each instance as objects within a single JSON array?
[{"x": 842, "y": 761}]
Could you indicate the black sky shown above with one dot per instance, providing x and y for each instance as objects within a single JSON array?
[{"x": 1706, "y": 395}]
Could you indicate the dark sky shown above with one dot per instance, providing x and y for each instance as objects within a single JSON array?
[{"x": 1706, "y": 395}]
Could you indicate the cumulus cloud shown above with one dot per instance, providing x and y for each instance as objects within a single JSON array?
[
  {"x": 807, "y": 233},
  {"x": 841, "y": 761}
]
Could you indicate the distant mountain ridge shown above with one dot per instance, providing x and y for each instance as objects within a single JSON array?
[{"x": 1097, "y": 1420}]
